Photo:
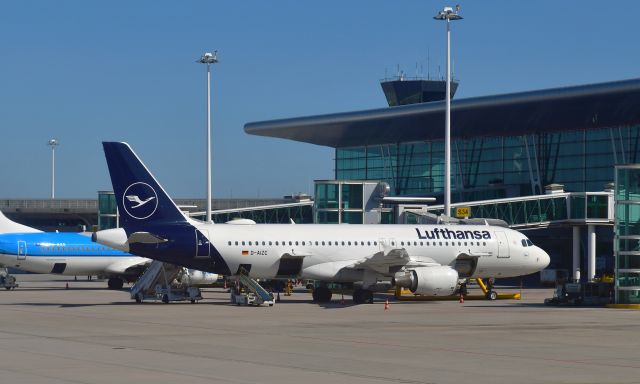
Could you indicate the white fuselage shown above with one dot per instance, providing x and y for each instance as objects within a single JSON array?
[{"x": 501, "y": 252}]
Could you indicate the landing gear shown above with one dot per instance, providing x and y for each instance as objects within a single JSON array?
[
  {"x": 321, "y": 295},
  {"x": 492, "y": 295},
  {"x": 362, "y": 296},
  {"x": 115, "y": 283}
]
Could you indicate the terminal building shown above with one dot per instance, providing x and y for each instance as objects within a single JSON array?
[{"x": 543, "y": 161}]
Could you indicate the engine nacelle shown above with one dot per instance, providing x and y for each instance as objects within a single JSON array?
[
  {"x": 428, "y": 281},
  {"x": 195, "y": 277},
  {"x": 114, "y": 238}
]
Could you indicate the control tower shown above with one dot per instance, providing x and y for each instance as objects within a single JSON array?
[{"x": 401, "y": 90}]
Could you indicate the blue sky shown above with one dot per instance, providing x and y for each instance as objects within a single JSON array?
[{"x": 85, "y": 72}]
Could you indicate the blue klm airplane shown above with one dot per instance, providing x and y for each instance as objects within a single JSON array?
[{"x": 72, "y": 254}]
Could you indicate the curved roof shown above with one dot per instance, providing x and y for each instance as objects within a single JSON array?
[{"x": 578, "y": 107}]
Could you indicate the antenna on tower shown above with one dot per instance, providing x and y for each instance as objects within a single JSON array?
[
  {"x": 428, "y": 65},
  {"x": 453, "y": 65}
]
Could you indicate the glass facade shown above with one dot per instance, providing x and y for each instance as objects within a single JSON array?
[
  {"x": 107, "y": 210},
  {"x": 627, "y": 234},
  {"x": 485, "y": 168},
  {"x": 349, "y": 202}
]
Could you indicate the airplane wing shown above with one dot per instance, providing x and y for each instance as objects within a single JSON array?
[
  {"x": 128, "y": 266},
  {"x": 394, "y": 259}
]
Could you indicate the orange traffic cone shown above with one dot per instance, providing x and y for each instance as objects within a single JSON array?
[
  {"x": 386, "y": 305},
  {"x": 461, "y": 298}
]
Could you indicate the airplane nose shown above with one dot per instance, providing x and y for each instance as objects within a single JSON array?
[{"x": 543, "y": 259}]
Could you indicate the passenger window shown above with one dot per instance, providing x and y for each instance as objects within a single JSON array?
[
  {"x": 290, "y": 243},
  {"x": 296, "y": 243},
  {"x": 393, "y": 243},
  {"x": 302, "y": 243},
  {"x": 484, "y": 243},
  {"x": 249, "y": 243},
  {"x": 343, "y": 243},
  {"x": 375, "y": 243},
  {"x": 402, "y": 243},
  {"x": 323, "y": 243},
  {"x": 441, "y": 243},
  {"x": 368, "y": 243},
  {"x": 270, "y": 243},
  {"x": 229, "y": 243}
]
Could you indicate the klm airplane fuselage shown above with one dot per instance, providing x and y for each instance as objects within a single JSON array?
[{"x": 63, "y": 253}]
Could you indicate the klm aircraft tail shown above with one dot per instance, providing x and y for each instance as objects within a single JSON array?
[
  {"x": 140, "y": 198},
  {"x": 8, "y": 226}
]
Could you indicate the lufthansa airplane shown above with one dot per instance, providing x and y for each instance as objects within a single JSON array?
[
  {"x": 427, "y": 259},
  {"x": 35, "y": 251}
]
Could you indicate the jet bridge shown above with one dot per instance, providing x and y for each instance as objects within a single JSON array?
[{"x": 554, "y": 209}]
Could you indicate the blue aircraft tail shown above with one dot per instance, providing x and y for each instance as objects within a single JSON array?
[{"x": 140, "y": 198}]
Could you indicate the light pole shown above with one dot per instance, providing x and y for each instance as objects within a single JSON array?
[
  {"x": 208, "y": 59},
  {"x": 53, "y": 143},
  {"x": 447, "y": 14}
]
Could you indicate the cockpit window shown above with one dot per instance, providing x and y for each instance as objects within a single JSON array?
[
  {"x": 524, "y": 242},
  {"x": 529, "y": 242}
]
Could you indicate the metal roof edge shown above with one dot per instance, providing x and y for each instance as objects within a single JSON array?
[{"x": 628, "y": 85}]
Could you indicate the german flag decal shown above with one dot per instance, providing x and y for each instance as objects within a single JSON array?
[{"x": 245, "y": 253}]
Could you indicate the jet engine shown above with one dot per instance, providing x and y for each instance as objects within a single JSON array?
[
  {"x": 428, "y": 281},
  {"x": 114, "y": 238}
]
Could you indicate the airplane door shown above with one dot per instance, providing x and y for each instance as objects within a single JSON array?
[
  {"x": 503, "y": 245},
  {"x": 22, "y": 250},
  {"x": 202, "y": 243}
]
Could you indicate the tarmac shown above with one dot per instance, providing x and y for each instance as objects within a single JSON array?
[{"x": 89, "y": 334}]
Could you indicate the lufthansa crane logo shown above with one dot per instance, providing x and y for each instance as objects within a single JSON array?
[{"x": 140, "y": 200}]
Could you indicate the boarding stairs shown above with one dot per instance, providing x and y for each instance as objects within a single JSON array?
[
  {"x": 158, "y": 283},
  {"x": 256, "y": 294}
]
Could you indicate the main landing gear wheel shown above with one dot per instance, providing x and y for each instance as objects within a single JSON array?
[
  {"x": 362, "y": 296},
  {"x": 321, "y": 295},
  {"x": 138, "y": 297},
  {"x": 165, "y": 298},
  {"x": 492, "y": 295},
  {"x": 115, "y": 283}
]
